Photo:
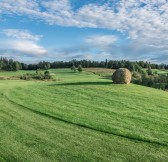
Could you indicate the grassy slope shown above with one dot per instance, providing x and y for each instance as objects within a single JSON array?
[
  {"x": 16, "y": 73},
  {"x": 82, "y": 118},
  {"x": 161, "y": 72}
]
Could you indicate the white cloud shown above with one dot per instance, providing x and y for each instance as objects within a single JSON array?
[
  {"x": 19, "y": 6},
  {"x": 21, "y": 34},
  {"x": 127, "y": 15},
  {"x": 22, "y": 48},
  {"x": 22, "y": 42},
  {"x": 101, "y": 40},
  {"x": 134, "y": 17},
  {"x": 144, "y": 21},
  {"x": 27, "y": 47}
]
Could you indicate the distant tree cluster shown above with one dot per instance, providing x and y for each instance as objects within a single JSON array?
[
  {"x": 9, "y": 64},
  {"x": 44, "y": 65}
]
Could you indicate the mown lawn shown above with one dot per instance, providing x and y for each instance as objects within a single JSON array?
[{"x": 82, "y": 117}]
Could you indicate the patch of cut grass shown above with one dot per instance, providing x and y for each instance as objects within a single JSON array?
[{"x": 82, "y": 118}]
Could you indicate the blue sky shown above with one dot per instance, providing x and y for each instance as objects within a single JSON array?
[{"x": 36, "y": 30}]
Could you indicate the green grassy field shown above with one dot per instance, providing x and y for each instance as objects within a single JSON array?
[
  {"x": 16, "y": 73},
  {"x": 81, "y": 117},
  {"x": 161, "y": 72}
]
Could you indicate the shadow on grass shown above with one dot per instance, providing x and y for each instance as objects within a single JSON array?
[{"x": 82, "y": 83}]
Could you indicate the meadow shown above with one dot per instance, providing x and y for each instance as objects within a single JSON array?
[{"x": 81, "y": 117}]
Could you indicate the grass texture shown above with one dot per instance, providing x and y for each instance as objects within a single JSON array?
[{"x": 82, "y": 117}]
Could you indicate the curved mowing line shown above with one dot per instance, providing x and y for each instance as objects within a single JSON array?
[{"x": 85, "y": 126}]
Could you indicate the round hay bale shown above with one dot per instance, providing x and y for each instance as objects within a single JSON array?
[{"x": 122, "y": 76}]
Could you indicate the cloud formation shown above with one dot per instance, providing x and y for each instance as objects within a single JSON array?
[
  {"x": 101, "y": 40},
  {"x": 21, "y": 34},
  {"x": 124, "y": 15},
  {"x": 144, "y": 22},
  {"x": 22, "y": 42}
]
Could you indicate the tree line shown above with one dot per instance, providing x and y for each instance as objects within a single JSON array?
[
  {"x": 112, "y": 64},
  {"x": 11, "y": 65}
]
